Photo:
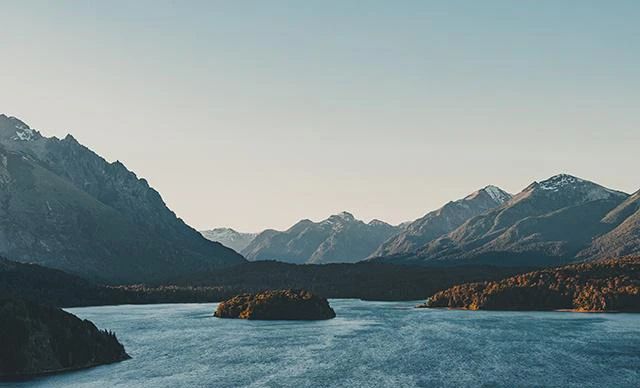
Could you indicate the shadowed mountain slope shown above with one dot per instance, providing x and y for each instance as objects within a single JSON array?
[
  {"x": 624, "y": 239},
  {"x": 442, "y": 221},
  {"x": 65, "y": 207},
  {"x": 545, "y": 224}
]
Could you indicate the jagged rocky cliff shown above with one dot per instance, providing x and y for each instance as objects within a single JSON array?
[{"x": 65, "y": 207}]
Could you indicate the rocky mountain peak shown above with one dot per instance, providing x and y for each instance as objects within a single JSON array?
[
  {"x": 341, "y": 238},
  {"x": 70, "y": 138},
  {"x": 557, "y": 182},
  {"x": 437, "y": 223},
  {"x": 60, "y": 191},
  {"x": 342, "y": 216},
  {"x": 497, "y": 194},
  {"x": 569, "y": 185},
  {"x": 12, "y": 128},
  {"x": 376, "y": 222}
]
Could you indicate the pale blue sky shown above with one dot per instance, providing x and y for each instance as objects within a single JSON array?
[{"x": 256, "y": 114}]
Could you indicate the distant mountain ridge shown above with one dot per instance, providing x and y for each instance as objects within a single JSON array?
[
  {"x": 439, "y": 222},
  {"x": 341, "y": 238},
  {"x": 547, "y": 223},
  {"x": 229, "y": 237},
  {"x": 65, "y": 207},
  {"x": 624, "y": 237}
]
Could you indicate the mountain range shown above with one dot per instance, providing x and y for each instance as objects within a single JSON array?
[
  {"x": 558, "y": 220},
  {"x": 229, "y": 237},
  {"x": 65, "y": 207},
  {"x": 341, "y": 238},
  {"x": 624, "y": 237},
  {"x": 442, "y": 221}
]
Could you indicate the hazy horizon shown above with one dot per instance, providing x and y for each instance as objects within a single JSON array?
[{"x": 252, "y": 115}]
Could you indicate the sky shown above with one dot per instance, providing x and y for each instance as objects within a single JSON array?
[{"x": 256, "y": 114}]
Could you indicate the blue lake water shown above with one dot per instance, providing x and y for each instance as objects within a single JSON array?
[{"x": 369, "y": 344}]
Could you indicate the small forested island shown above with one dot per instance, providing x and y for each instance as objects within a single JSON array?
[
  {"x": 37, "y": 339},
  {"x": 276, "y": 305},
  {"x": 605, "y": 285}
]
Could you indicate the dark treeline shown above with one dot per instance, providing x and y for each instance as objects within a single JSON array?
[
  {"x": 596, "y": 286},
  {"x": 53, "y": 287},
  {"x": 606, "y": 285},
  {"x": 368, "y": 281},
  {"x": 38, "y": 339}
]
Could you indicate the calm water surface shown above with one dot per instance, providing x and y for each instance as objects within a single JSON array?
[{"x": 369, "y": 344}]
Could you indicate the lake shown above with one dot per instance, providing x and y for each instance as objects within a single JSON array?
[{"x": 369, "y": 344}]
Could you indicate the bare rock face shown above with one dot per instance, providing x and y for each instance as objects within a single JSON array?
[
  {"x": 65, "y": 207},
  {"x": 276, "y": 305}
]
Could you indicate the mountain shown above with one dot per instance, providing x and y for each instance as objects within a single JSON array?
[
  {"x": 442, "y": 221},
  {"x": 624, "y": 238},
  {"x": 545, "y": 224},
  {"x": 65, "y": 207},
  {"x": 339, "y": 239},
  {"x": 229, "y": 238},
  {"x": 603, "y": 285}
]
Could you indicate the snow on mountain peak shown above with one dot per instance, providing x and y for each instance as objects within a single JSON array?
[
  {"x": 589, "y": 190},
  {"x": 23, "y": 132},
  {"x": 497, "y": 194},
  {"x": 16, "y": 130},
  {"x": 559, "y": 181}
]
